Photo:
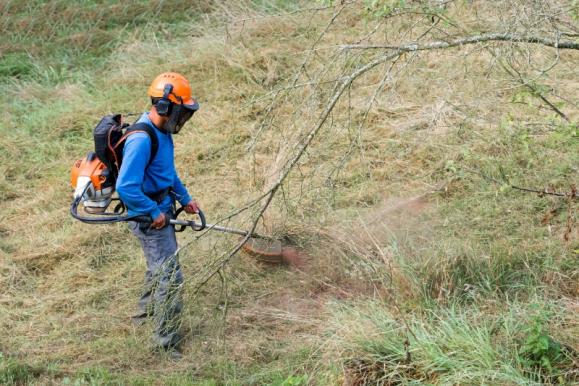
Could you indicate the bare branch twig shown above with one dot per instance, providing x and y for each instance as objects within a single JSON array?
[
  {"x": 493, "y": 36},
  {"x": 530, "y": 190}
]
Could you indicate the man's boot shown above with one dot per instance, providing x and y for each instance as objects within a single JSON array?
[{"x": 140, "y": 318}]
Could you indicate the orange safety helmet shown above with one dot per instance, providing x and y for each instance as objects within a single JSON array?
[{"x": 181, "y": 92}]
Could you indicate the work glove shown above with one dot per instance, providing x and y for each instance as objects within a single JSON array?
[{"x": 192, "y": 207}]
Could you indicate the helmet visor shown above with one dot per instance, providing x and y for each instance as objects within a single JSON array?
[
  {"x": 191, "y": 104},
  {"x": 180, "y": 114}
]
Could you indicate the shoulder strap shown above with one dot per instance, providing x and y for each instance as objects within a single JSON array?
[{"x": 143, "y": 127}]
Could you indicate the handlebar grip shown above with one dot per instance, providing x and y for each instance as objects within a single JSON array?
[
  {"x": 203, "y": 222},
  {"x": 179, "y": 228}
]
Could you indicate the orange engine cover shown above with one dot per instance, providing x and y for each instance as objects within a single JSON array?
[
  {"x": 91, "y": 167},
  {"x": 93, "y": 184}
]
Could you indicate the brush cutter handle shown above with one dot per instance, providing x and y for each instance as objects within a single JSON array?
[
  {"x": 180, "y": 225},
  {"x": 184, "y": 224},
  {"x": 109, "y": 219}
]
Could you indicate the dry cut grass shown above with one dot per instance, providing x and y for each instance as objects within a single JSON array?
[{"x": 416, "y": 268}]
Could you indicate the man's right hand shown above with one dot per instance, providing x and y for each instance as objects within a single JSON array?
[{"x": 159, "y": 222}]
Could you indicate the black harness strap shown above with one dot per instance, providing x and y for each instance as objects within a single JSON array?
[
  {"x": 159, "y": 196},
  {"x": 142, "y": 126}
]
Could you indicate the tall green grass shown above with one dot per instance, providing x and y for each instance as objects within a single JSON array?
[
  {"x": 53, "y": 41},
  {"x": 478, "y": 289},
  {"x": 452, "y": 345}
]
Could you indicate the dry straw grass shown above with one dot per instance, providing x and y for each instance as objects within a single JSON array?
[{"x": 379, "y": 203}]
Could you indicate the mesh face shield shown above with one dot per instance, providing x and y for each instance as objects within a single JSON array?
[{"x": 178, "y": 117}]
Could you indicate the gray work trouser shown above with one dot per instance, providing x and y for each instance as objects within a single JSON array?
[{"x": 162, "y": 295}]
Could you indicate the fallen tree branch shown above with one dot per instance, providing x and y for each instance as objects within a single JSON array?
[
  {"x": 531, "y": 87},
  {"x": 216, "y": 266},
  {"x": 545, "y": 191},
  {"x": 493, "y": 36},
  {"x": 507, "y": 36},
  {"x": 297, "y": 75}
]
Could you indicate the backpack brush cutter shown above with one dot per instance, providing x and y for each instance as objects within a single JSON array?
[{"x": 94, "y": 180}]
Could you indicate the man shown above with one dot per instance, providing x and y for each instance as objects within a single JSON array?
[{"x": 150, "y": 187}]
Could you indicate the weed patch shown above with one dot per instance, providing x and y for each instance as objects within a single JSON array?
[
  {"x": 13, "y": 372},
  {"x": 446, "y": 346}
]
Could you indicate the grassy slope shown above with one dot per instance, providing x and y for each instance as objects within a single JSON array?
[{"x": 464, "y": 275}]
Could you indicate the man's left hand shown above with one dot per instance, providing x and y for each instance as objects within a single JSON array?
[{"x": 192, "y": 207}]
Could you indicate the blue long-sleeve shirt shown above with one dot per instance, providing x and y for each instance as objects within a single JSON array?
[{"x": 135, "y": 178}]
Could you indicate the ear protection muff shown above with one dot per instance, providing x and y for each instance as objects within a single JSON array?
[{"x": 164, "y": 106}]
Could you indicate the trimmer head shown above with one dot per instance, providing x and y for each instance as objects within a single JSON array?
[{"x": 269, "y": 251}]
